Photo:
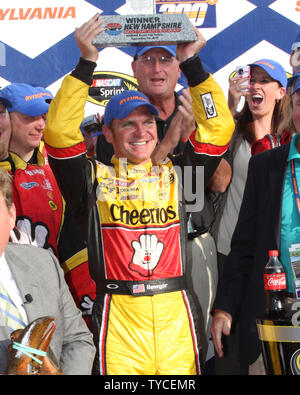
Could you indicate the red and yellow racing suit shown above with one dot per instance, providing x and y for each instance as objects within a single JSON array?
[{"x": 144, "y": 319}]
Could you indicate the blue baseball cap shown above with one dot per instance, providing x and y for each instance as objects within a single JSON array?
[
  {"x": 45, "y": 92},
  {"x": 27, "y": 99},
  {"x": 121, "y": 105},
  {"x": 296, "y": 43},
  {"x": 169, "y": 48},
  {"x": 274, "y": 69},
  {"x": 297, "y": 85},
  {"x": 296, "y": 74}
]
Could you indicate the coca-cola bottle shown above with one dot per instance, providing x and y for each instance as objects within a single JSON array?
[{"x": 275, "y": 286}]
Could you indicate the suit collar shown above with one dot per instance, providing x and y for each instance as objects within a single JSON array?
[
  {"x": 293, "y": 153},
  {"x": 26, "y": 281}
]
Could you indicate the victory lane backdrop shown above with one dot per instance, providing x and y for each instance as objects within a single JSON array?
[{"x": 37, "y": 44}]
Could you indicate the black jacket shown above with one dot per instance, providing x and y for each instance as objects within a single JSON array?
[{"x": 241, "y": 289}]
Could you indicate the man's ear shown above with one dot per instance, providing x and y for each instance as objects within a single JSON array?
[
  {"x": 133, "y": 66},
  {"x": 106, "y": 130},
  {"x": 12, "y": 215},
  {"x": 179, "y": 72}
]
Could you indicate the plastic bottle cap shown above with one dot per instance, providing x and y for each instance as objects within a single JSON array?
[{"x": 273, "y": 253}]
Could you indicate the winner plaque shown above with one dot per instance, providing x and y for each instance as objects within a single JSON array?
[{"x": 125, "y": 30}]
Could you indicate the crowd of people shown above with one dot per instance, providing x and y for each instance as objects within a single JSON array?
[{"x": 138, "y": 259}]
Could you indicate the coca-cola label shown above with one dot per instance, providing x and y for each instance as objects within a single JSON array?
[{"x": 275, "y": 281}]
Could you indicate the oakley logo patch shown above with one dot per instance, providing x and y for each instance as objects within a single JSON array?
[{"x": 209, "y": 105}]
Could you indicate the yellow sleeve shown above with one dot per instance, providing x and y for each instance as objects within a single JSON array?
[
  {"x": 64, "y": 117},
  {"x": 215, "y": 124}
]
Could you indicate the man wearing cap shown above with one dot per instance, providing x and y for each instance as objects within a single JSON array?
[
  {"x": 157, "y": 71},
  {"x": 14, "y": 99},
  {"x": 25, "y": 108},
  {"x": 132, "y": 215},
  {"x": 295, "y": 61},
  {"x": 268, "y": 220},
  {"x": 42, "y": 216}
]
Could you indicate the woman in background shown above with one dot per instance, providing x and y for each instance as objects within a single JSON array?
[{"x": 260, "y": 116}]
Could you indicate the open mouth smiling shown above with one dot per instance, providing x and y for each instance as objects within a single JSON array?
[
  {"x": 157, "y": 80},
  {"x": 138, "y": 143}
]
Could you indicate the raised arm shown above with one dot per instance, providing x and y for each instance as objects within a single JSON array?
[
  {"x": 215, "y": 124},
  {"x": 63, "y": 139}
]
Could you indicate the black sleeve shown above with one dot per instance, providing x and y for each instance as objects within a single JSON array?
[
  {"x": 228, "y": 157},
  {"x": 74, "y": 179},
  {"x": 84, "y": 71},
  {"x": 70, "y": 238},
  {"x": 194, "y": 71}
]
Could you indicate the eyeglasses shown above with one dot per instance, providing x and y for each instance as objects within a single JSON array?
[{"x": 164, "y": 61}]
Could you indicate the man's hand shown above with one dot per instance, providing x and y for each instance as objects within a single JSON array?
[
  {"x": 221, "y": 324},
  {"x": 187, "y": 50},
  {"x": 188, "y": 122},
  {"x": 84, "y": 36}
]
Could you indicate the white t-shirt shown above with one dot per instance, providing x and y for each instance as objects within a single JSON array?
[{"x": 234, "y": 197}]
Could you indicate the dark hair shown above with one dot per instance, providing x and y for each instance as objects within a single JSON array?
[
  {"x": 6, "y": 188},
  {"x": 286, "y": 122}
]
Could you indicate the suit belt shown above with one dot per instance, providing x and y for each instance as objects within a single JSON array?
[{"x": 145, "y": 288}]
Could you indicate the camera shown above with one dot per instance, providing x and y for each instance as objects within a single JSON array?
[
  {"x": 91, "y": 125},
  {"x": 243, "y": 72}
]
